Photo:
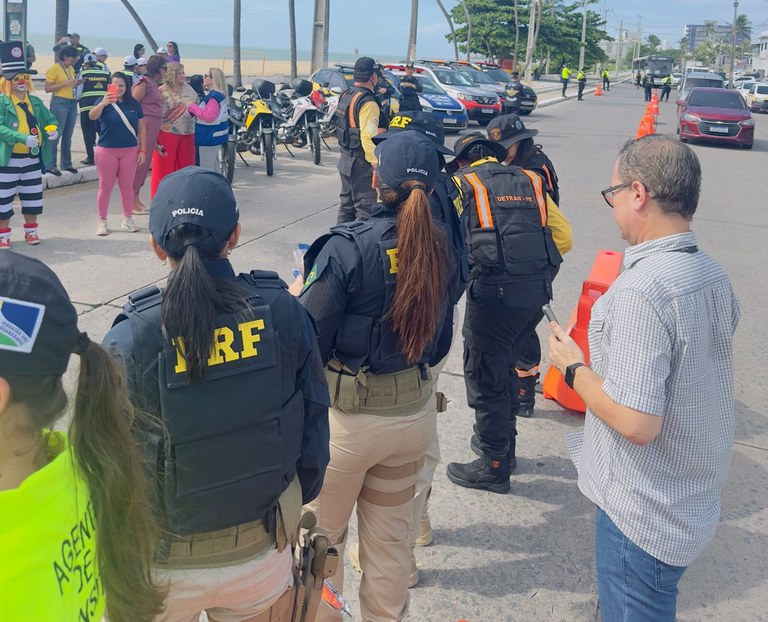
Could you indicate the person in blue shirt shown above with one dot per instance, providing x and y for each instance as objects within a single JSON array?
[
  {"x": 120, "y": 150},
  {"x": 212, "y": 114}
]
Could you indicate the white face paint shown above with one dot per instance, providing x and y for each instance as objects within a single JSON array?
[{"x": 21, "y": 88}]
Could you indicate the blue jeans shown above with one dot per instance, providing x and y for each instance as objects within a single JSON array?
[
  {"x": 632, "y": 585},
  {"x": 65, "y": 111}
]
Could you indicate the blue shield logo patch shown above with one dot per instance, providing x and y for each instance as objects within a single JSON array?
[{"x": 19, "y": 324}]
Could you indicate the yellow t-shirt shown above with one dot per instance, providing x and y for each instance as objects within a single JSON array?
[
  {"x": 369, "y": 127},
  {"x": 48, "y": 545},
  {"x": 23, "y": 127},
  {"x": 57, "y": 74}
]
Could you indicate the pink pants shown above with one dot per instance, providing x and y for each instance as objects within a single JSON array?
[
  {"x": 116, "y": 163},
  {"x": 151, "y": 130}
]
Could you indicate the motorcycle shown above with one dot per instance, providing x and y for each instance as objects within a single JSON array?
[
  {"x": 327, "y": 101},
  {"x": 252, "y": 125},
  {"x": 298, "y": 117}
]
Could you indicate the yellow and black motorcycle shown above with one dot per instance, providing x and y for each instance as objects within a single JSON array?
[{"x": 252, "y": 124}]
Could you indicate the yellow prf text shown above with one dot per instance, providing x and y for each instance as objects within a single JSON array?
[
  {"x": 392, "y": 254},
  {"x": 223, "y": 350}
]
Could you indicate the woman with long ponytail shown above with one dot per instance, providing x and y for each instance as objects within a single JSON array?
[
  {"x": 378, "y": 292},
  {"x": 76, "y": 531}
]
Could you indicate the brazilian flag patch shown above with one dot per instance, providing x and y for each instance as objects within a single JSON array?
[{"x": 19, "y": 324}]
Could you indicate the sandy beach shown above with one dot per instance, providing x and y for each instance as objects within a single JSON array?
[{"x": 263, "y": 67}]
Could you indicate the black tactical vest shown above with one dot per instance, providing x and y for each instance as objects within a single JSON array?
[
  {"x": 507, "y": 221},
  {"x": 94, "y": 87},
  {"x": 446, "y": 209},
  {"x": 348, "y": 119},
  {"x": 542, "y": 165},
  {"x": 234, "y": 439},
  {"x": 365, "y": 338}
]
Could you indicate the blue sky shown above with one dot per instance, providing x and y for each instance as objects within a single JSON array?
[{"x": 265, "y": 22}]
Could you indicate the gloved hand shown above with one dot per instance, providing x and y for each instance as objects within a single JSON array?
[
  {"x": 31, "y": 141},
  {"x": 53, "y": 134}
]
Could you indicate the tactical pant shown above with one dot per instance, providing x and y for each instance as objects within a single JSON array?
[
  {"x": 565, "y": 86},
  {"x": 375, "y": 462},
  {"x": 582, "y": 84},
  {"x": 258, "y": 590},
  {"x": 357, "y": 194},
  {"x": 665, "y": 90},
  {"x": 89, "y": 133},
  {"x": 498, "y": 320}
]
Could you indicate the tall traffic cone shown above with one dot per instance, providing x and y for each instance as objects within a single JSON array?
[
  {"x": 598, "y": 90},
  {"x": 642, "y": 130},
  {"x": 605, "y": 270},
  {"x": 655, "y": 106}
]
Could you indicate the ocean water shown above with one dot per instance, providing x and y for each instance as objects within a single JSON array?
[{"x": 43, "y": 44}]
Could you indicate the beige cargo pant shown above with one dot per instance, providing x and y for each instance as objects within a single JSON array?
[{"x": 375, "y": 463}]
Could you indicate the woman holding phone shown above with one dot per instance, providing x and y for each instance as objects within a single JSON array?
[{"x": 120, "y": 149}]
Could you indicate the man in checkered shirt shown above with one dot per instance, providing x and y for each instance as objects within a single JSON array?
[{"x": 656, "y": 446}]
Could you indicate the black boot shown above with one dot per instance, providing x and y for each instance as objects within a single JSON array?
[
  {"x": 527, "y": 395},
  {"x": 474, "y": 445},
  {"x": 485, "y": 473}
]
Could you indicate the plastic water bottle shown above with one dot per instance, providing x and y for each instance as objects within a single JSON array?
[{"x": 298, "y": 260}]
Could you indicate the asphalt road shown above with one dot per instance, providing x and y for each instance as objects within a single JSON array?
[{"x": 526, "y": 555}]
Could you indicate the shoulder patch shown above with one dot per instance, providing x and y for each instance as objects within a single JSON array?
[{"x": 19, "y": 324}]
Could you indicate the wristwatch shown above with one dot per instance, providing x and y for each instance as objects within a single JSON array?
[{"x": 570, "y": 373}]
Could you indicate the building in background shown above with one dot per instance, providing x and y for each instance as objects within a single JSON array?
[
  {"x": 711, "y": 31},
  {"x": 758, "y": 63}
]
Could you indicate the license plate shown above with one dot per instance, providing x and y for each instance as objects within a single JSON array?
[
  {"x": 450, "y": 121},
  {"x": 717, "y": 129},
  {"x": 487, "y": 111}
]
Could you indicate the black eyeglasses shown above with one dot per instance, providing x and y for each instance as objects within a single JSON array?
[{"x": 610, "y": 193}]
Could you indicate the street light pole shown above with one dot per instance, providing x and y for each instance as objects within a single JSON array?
[
  {"x": 733, "y": 43},
  {"x": 618, "y": 47},
  {"x": 583, "y": 36},
  {"x": 414, "y": 25}
]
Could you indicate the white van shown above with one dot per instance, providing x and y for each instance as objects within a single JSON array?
[{"x": 693, "y": 79}]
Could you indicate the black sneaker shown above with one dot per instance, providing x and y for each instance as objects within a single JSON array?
[
  {"x": 86, "y": 162},
  {"x": 55, "y": 171},
  {"x": 474, "y": 445},
  {"x": 71, "y": 170},
  {"x": 485, "y": 473}
]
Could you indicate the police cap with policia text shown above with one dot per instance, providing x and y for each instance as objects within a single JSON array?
[
  {"x": 38, "y": 324},
  {"x": 407, "y": 156},
  {"x": 422, "y": 122},
  {"x": 194, "y": 196}
]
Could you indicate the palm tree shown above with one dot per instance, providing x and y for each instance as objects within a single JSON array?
[
  {"x": 453, "y": 30},
  {"x": 237, "y": 77},
  {"x": 469, "y": 29},
  {"x": 138, "y": 20},
  {"x": 517, "y": 38},
  {"x": 62, "y": 19},
  {"x": 292, "y": 31}
]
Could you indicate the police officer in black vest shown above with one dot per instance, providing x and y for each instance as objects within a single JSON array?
[
  {"x": 512, "y": 255},
  {"x": 90, "y": 92},
  {"x": 510, "y": 132},
  {"x": 410, "y": 87},
  {"x": 230, "y": 364},
  {"x": 378, "y": 291},
  {"x": 358, "y": 120},
  {"x": 447, "y": 208}
]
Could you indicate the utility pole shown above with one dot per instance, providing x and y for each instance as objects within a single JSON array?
[
  {"x": 327, "y": 29},
  {"x": 733, "y": 43},
  {"x": 414, "y": 25},
  {"x": 618, "y": 47},
  {"x": 319, "y": 27},
  {"x": 583, "y": 36},
  {"x": 529, "y": 46}
]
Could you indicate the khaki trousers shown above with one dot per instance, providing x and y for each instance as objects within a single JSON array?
[{"x": 360, "y": 446}]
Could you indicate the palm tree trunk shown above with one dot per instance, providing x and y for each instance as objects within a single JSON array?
[
  {"x": 237, "y": 77},
  {"x": 469, "y": 29},
  {"x": 292, "y": 34},
  {"x": 62, "y": 19},
  {"x": 453, "y": 30},
  {"x": 138, "y": 20}
]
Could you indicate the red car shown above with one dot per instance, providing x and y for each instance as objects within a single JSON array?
[{"x": 717, "y": 115}]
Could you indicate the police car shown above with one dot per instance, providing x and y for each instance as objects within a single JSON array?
[
  {"x": 434, "y": 99},
  {"x": 481, "y": 105}
]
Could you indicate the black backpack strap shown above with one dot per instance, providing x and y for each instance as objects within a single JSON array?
[{"x": 267, "y": 279}]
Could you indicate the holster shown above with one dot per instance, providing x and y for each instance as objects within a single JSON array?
[{"x": 318, "y": 561}]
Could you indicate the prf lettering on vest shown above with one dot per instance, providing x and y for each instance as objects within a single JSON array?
[
  {"x": 392, "y": 254},
  {"x": 223, "y": 350}
]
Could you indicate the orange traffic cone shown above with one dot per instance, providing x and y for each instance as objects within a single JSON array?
[
  {"x": 655, "y": 106},
  {"x": 642, "y": 130},
  {"x": 605, "y": 270},
  {"x": 598, "y": 90}
]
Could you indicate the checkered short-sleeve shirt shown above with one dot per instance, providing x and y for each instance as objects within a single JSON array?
[{"x": 661, "y": 338}]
